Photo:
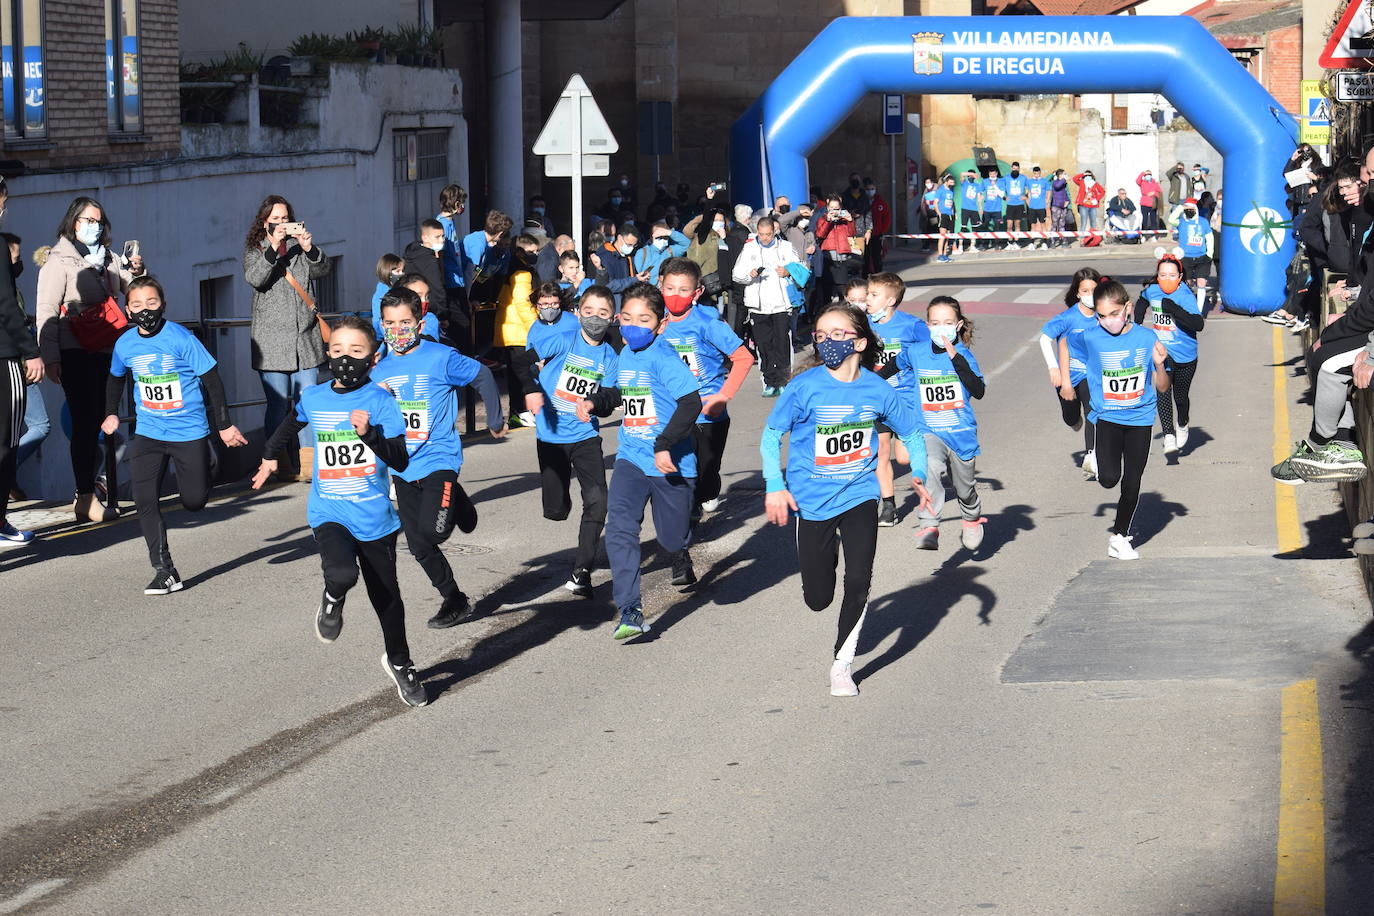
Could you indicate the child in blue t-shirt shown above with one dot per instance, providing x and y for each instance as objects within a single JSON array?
[
  {"x": 574, "y": 362},
  {"x": 830, "y": 414},
  {"x": 946, "y": 377},
  {"x": 1177, "y": 320},
  {"x": 424, "y": 376},
  {"x": 717, "y": 357},
  {"x": 1125, "y": 370},
  {"x": 359, "y": 433},
  {"x": 895, "y": 330},
  {"x": 176, "y": 384},
  {"x": 1061, "y": 343},
  {"x": 656, "y": 462}
]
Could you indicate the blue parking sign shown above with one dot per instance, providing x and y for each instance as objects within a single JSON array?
[{"x": 894, "y": 114}]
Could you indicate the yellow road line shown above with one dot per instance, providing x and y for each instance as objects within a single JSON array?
[
  {"x": 1300, "y": 879},
  {"x": 1285, "y": 499}
]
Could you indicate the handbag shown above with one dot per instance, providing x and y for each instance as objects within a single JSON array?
[
  {"x": 96, "y": 327},
  {"x": 712, "y": 285},
  {"x": 325, "y": 329}
]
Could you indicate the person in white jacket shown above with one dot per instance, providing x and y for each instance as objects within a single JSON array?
[{"x": 762, "y": 269}]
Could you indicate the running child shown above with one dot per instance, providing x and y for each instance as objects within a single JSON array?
[
  {"x": 707, "y": 346},
  {"x": 1125, "y": 369},
  {"x": 830, "y": 411},
  {"x": 424, "y": 376},
  {"x": 359, "y": 433},
  {"x": 1061, "y": 343},
  {"x": 656, "y": 463},
  {"x": 1177, "y": 320},
  {"x": 176, "y": 384},
  {"x": 946, "y": 376},
  {"x": 574, "y": 365},
  {"x": 895, "y": 331}
]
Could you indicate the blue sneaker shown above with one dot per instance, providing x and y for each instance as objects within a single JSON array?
[
  {"x": 631, "y": 623},
  {"x": 11, "y": 536}
]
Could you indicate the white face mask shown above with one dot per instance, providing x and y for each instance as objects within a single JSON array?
[
  {"x": 625, "y": 249},
  {"x": 944, "y": 334},
  {"x": 436, "y": 246},
  {"x": 803, "y": 222},
  {"x": 660, "y": 243},
  {"x": 718, "y": 226},
  {"x": 88, "y": 233},
  {"x": 1086, "y": 300}
]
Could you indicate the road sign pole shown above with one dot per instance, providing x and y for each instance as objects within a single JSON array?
[
  {"x": 578, "y": 238},
  {"x": 892, "y": 165}
]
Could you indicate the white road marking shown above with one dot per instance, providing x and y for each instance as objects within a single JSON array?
[
  {"x": 1039, "y": 295},
  {"x": 30, "y": 894},
  {"x": 975, "y": 293}
]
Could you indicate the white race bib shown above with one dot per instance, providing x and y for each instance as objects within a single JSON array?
[
  {"x": 1164, "y": 324},
  {"x": 416, "y": 417},
  {"x": 941, "y": 392},
  {"x": 639, "y": 407},
  {"x": 340, "y": 454},
  {"x": 688, "y": 354},
  {"x": 843, "y": 447},
  {"x": 160, "y": 392},
  {"x": 1122, "y": 387},
  {"x": 576, "y": 383}
]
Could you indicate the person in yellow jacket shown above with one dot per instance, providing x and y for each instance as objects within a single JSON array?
[{"x": 515, "y": 314}]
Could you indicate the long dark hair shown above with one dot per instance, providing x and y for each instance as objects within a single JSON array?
[
  {"x": 1083, "y": 273},
  {"x": 67, "y": 228},
  {"x": 858, "y": 320},
  {"x": 256, "y": 232}
]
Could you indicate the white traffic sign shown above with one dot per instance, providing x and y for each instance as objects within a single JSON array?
[
  {"x": 1349, "y": 45},
  {"x": 577, "y": 142},
  {"x": 1354, "y": 86},
  {"x": 561, "y": 166}
]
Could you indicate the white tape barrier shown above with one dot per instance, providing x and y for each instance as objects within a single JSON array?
[{"x": 1013, "y": 236}]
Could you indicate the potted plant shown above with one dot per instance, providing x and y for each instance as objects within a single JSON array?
[
  {"x": 432, "y": 40},
  {"x": 369, "y": 41},
  {"x": 304, "y": 51}
]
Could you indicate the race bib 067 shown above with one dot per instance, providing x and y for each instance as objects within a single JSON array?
[{"x": 639, "y": 407}]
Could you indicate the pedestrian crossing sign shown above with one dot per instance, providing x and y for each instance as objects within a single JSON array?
[{"x": 1316, "y": 115}]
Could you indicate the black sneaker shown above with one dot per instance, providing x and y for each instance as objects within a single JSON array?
[
  {"x": 683, "y": 574},
  {"x": 580, "y": 584},
  {"x": 887, "y": 515},
  {"x": 451, "y": 612},
  {"x": 408, "y": 684},
  {"x": 165, "y": 581},
  {"x": 329, "y": 617},
  {"x": 464, "y": 512}
]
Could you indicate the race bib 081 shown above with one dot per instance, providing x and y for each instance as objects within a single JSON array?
[{"x": 160, "y": 392}]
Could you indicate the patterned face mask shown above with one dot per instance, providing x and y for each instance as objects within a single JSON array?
[{"x": 403, "y": 338}]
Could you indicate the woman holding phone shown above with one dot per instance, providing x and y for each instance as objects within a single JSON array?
[
  {"x": 279, "y": 261},
  {"x": 82, "y": 273}
]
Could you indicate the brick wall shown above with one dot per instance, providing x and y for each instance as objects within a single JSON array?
[
  {"x": 74, "y": 89},
  {"x": 1283, "y": 66}
]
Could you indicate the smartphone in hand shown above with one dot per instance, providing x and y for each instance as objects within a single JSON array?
[{"x": 293, "y": 229}]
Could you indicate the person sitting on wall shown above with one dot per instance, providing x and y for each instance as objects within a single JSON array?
[{"x": 1123, "y": 219}]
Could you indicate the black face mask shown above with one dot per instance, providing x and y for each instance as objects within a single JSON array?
[
  {"x": 149, "y": 320},
  {"x": 16, "y": 268},
  {"x": 853, "y": 182},
  {"x": 349, "y": 371},
  {"x": 785, "y": 208},
  {"x": 1015, "y": 173}
]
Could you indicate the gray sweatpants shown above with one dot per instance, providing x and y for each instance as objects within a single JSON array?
[
  {"x": 1331, "y": 410},
  {"x": 962, "y": 475}
]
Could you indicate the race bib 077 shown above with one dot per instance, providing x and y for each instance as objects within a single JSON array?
[{"x": 1123, "y": 387}]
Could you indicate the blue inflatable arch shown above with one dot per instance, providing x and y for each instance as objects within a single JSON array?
[{"x": 1171, "y": 55}]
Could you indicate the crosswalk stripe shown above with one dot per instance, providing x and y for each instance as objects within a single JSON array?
[
  {"x": 1038, "y": 294},
  {"x": 975, "y": 293}
]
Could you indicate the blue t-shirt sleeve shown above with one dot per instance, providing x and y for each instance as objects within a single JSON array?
[
  {"x": 1056, "y": 327},
  {"x": 117, "y": 367},
  {"x": 721, "y": 336},
  {"x": 460, "y": 370},
  {"x": 300, "y": 413},
  {"x": 196, "y": 356},
  {"x": 919, "y": 332}
]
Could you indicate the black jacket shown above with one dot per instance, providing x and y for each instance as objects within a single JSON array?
[
  {"x": 16, "y": 341},
  {"x": 420, "y": 260}
]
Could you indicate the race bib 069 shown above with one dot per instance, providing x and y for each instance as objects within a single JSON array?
[
  {"x": 160, "y": 392},
  {"x": 843, "y": 447}
]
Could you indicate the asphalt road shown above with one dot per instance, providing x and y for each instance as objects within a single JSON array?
[{"x": 1040, "y": 729}]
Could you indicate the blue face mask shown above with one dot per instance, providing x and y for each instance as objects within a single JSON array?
[
  {"x": 88, "y": 233},
  {"x": 636, "y": 337},
  {"x": 834, "y": 352},
  {"x": 943, "y": 333}
]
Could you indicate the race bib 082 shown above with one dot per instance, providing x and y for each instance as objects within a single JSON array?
[{"x": 340, "y": 454}]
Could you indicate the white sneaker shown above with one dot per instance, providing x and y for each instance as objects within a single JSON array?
[
  {"x": 1089, "y": 466},
  {"x": 527, "y": 418},
  {"x": 973, "y": 534},
  {"x": 1119, "y": 546},
  {"x": 842, "y": 681},
  {"x": 1182, "y": 437},
  {"x": 712, "y": 505},
  {"x": 1170, "y": 444}
]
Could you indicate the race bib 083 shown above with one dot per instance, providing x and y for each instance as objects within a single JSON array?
[{"x": 577, "y": 383}]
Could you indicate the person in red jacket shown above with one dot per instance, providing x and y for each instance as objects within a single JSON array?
[
  {"x": 881, "y": 214},
  {"x": 1150, "y": 192},
  {"x": 1090, "y": 194},
  {"x": 834, "y": 229}
]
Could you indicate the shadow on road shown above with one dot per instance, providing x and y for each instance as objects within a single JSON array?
[{"x": 1152, "y": 515}]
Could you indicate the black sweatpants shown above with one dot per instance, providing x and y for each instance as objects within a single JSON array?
[
  {"x": 1121, "y": 455},
  {"x": 427, "y": 517},
  {"x": 1078, "y": 408},
  {"x": 13, "y": 401},
  {"x": 83, "y": 381},
  {"x": 342, "y": 556},
  {"x": 558, "y": 462},
  {"x": 818, "y": 550},
  {"x": 148, "y": 461},
  {"x": 772, "y": 336},
  {"x": 1181, "y": 375},
  {"x": 710, "y": 439}
]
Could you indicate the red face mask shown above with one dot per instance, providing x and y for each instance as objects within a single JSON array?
[
  {"x": 678, "y": 305},
  {"x": 1170, "y": 286}
]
